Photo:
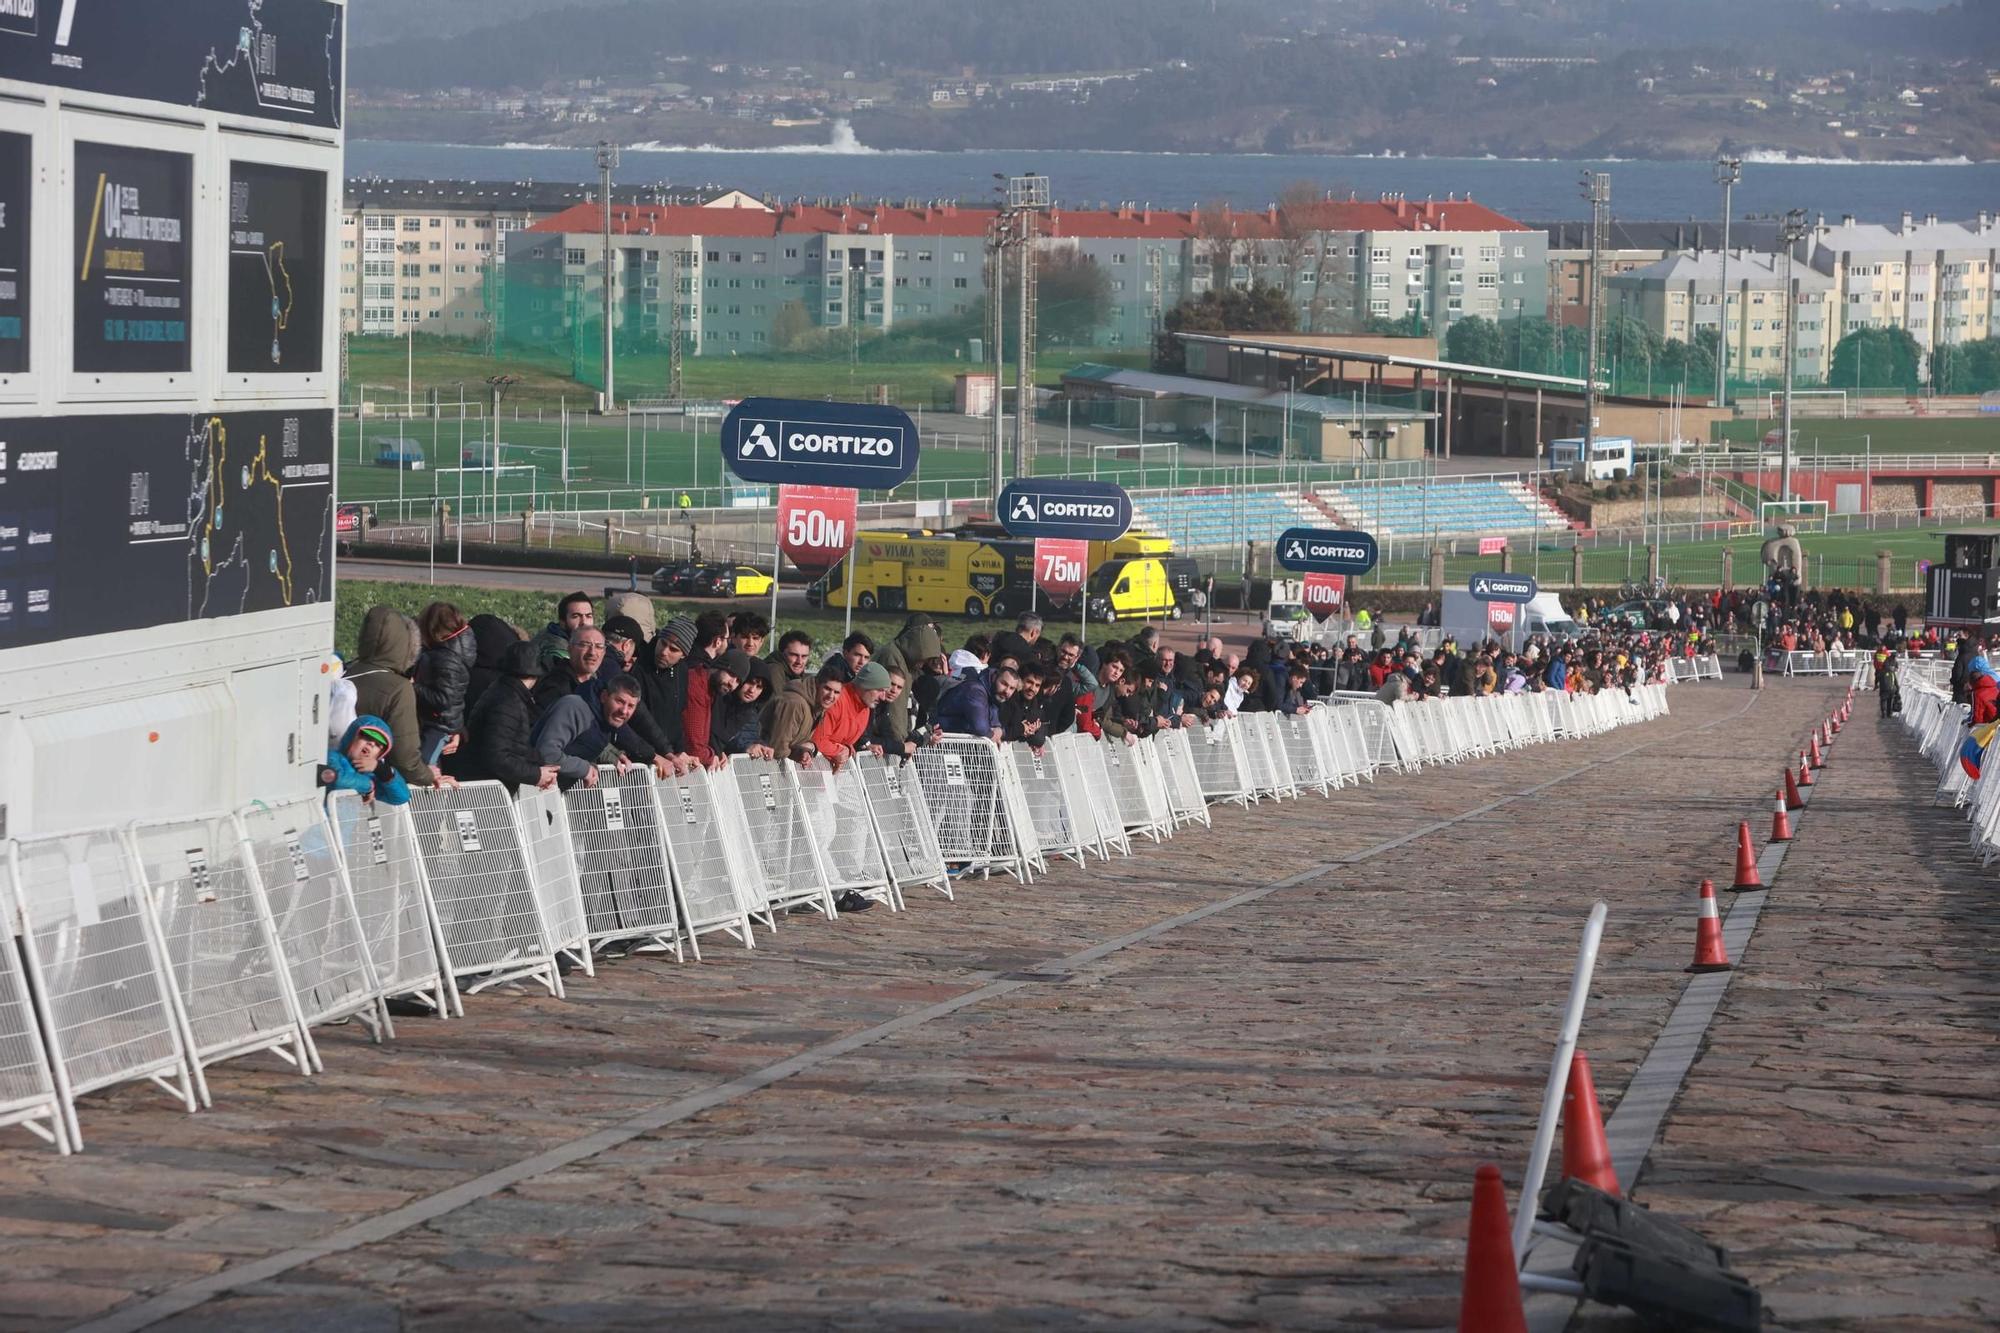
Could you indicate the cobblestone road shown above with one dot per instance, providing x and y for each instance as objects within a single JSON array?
[{"x": 1268, "y": 1116}]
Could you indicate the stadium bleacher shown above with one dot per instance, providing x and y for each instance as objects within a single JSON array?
[
  {"x": 1414, "y": 509},
  {"x": 1210, "y": 519},
  {"x": 1215, "y": 518}
]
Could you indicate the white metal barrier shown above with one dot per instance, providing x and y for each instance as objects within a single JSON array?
[
  {"x": 903, "y": 823},
  {"x": 219, "y": 942},
  {"x": 392, "y": 900},
  {"x": 1053, "y": 793},
  {"x": 836, "y": 806},
  {"x": 96, "y": 970},
  {"x": 28, "y": 1094},
  {"x": 1183, "y": 783},
  {"x": 1088, "y": 756},
  {"x": 708, "y": 848},
  {"x": 773, "y": 814},
  {"x": 489, "y": 915},
  {"x": 155, "y": 953},
  {"x": 317, "y": 926},
  {"x": 624, "y": 882},
  {"x": 1220, "y": 762}
]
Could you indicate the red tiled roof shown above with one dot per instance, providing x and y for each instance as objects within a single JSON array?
[{"x": 1379, "y": 215}]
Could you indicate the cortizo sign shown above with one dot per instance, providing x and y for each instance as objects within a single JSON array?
[
  {"x": 1313, "y": 551},
  {"x": 1084, "y": 510},
  {"x": 820, "y": 444}
]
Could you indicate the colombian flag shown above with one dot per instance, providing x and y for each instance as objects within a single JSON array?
[{"x": 1974, "y": 748}]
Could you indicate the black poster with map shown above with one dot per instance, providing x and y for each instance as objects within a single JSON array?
[
  {"x": 134, "y": 210},
  {"x": 16, "y": 187},
  {"x": 276, "y": 60},
  {"x": 114, "y": 523},
  {"x": 277, "y": 264}
]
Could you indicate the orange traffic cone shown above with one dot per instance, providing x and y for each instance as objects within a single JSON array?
[
  {"x": 1826, "y": 734},
  {"x": 1746, "y": 861},
  {"x": 1812, "y": 749},
  {"x": 1709, "y": 955},
  {"x": 1781, "y": 827},
  {"x": 1805, "y": 771},
  {"x": 1586, "y": 1154},
  {"x": 1490, "y": 1301},
  {"x": 1793, "y": 801}
]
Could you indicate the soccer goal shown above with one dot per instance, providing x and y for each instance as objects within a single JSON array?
[
  {"x": 1804, "y": 515},
  {"x": 1810, "y": 403}
]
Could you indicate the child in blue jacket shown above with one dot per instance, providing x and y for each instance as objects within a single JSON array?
[{"x": 359, "y": 764}]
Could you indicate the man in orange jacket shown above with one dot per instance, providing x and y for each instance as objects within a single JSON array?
[{"x": 841, "y": 728}]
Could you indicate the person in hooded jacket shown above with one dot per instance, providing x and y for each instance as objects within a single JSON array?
[
  {"x": 359, "y": 763},
  {"x": 502, "y": 724},
  {"x": 1982, "y": 687},
  {"x": 380, "y": 672},
  {"x": 444, "y": 671},
  {"x": 706, "y": 688},
  {"x": 491, "y": 638},
  {"x": 910, "y": 652}
]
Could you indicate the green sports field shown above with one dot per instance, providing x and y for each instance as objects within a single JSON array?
[{"x": 1843, "y": 559}]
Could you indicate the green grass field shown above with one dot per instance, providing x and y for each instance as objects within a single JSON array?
[
  {"x": 621, "y": 465},
  {"x": 1891, "y": 435},
  {"x": 1844, "y": 559}
]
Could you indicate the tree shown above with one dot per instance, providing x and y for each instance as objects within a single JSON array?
[
  {"x": 791, "y": 326},
  {"x": 1261, "y": 309},
  {"x": 1073, "y": 296},
  {"x": 1475, "y": 341},
  {"x": 1971, "y": 367},
  {"x": 1875, "y": 359},
  {"x": 1411, "y": 325}
]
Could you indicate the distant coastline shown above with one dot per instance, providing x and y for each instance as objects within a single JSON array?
[{"x": 1534, "y": 188}]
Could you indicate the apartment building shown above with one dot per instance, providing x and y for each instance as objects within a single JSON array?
[
  {"x": 1629, "y": 246},
  {"x": 1940, "y": 281},
  {"x": 415, "y": 254},
  {"x": 877, "y": 267},
  {"x": 1681, "y": 295}
]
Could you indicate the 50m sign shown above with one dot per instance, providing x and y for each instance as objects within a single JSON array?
[{"x": 816, "y": 525}]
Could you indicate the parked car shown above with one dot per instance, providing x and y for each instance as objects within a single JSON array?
[
  {"x": 1638, "y": 613},
  {"x": 731, "y": 581},
  {"x": 677, "y": 578}
]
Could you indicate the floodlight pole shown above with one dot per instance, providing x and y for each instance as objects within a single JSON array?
[
  {"x": 1597, "y": 192},
  {"x": 1728, "y": 170},
  {"x": 607, "y": 161},
  {"x": 1790, "y": 232}
]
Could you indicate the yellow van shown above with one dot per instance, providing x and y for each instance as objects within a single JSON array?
[{"x": 1144, "y": 588}]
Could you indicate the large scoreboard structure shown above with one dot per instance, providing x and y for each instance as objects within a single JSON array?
[{"x": 169, "y": 364}]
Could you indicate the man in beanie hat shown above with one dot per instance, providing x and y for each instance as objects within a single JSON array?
[
  {"x": 663, "y": 678},
  {"x": 846, "y": 722}
]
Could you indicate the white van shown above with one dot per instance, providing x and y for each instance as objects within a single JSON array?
[{"x": 1469, "y": 621}]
